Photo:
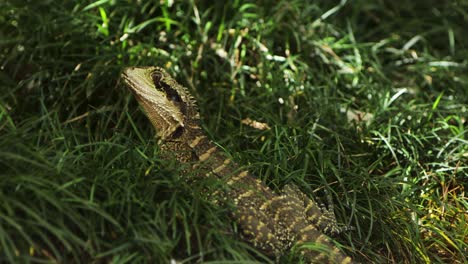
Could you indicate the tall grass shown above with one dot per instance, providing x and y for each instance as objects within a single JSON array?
[{"x": 366, "y": 101}]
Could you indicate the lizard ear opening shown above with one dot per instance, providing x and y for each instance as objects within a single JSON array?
[{"x": 178, "y": 132}]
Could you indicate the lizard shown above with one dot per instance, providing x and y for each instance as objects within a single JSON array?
[{"x": 272, "y": 222}]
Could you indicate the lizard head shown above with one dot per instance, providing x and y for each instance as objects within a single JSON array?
[{"x": 168, "y": 105}]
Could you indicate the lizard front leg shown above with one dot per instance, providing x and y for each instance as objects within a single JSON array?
[
  {"x": 321, "y": 216},
  {"x": 293, "y": 230}
]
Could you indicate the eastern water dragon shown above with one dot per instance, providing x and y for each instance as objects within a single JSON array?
[{"x": 271, "y": 222}]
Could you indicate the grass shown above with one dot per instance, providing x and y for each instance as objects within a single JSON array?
[{"x": 365, "y": 100}]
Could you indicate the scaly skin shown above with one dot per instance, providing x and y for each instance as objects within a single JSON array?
[{"x": 273, "y": 223}]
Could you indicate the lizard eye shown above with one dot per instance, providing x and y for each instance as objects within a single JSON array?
[
  {"x": 178, "y": 132},
  {"x": 156, "y": 76},
  {"x": 171, "y": 94},
  {"x": 169, "y": 90}
]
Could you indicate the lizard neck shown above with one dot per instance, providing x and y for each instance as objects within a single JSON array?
[{"x": 195, "y": 147}]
